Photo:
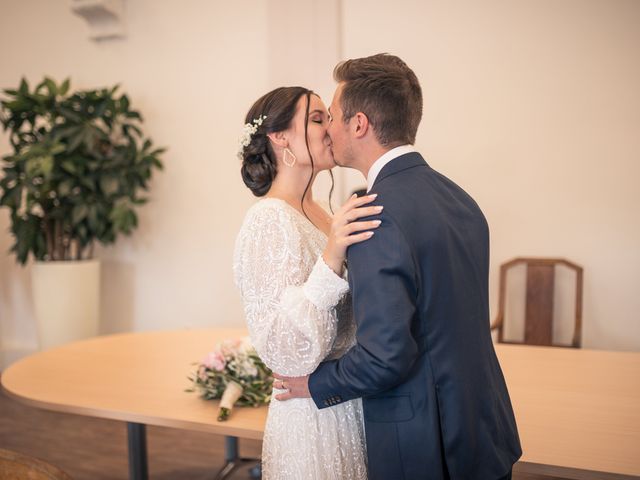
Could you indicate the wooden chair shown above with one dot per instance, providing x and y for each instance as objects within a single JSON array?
[
  {"x": 540, "y": 282},
  {"x": 16, "y": 466}
]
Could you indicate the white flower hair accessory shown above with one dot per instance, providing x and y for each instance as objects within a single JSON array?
[{"x": 248, "y": 130}]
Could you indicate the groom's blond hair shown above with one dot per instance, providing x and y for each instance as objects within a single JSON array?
[{"x": 387, "y": 91}]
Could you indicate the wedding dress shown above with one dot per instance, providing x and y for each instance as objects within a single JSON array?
[{"x": 299, "y": 313}]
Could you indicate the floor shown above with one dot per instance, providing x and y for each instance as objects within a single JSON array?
[{"x": 96, "y": 449}]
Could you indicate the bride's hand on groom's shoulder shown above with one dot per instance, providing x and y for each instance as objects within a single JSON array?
[{"x": 346, "y": 230}]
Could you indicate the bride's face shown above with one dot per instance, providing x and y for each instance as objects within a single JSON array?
[{"x": 319, "y": 141}]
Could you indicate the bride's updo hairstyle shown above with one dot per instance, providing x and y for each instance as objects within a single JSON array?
[{"x": 277, "y": 108}]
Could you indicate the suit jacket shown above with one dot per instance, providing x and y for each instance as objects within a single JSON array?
[{"x": 435, "y": 401}]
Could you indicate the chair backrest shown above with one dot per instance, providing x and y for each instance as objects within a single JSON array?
[
  {"x": 16, "y": 465},
  {"x": 538, "y": 319}
]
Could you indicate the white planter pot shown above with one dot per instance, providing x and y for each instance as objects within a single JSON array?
[{"x": 66, "y": 297}]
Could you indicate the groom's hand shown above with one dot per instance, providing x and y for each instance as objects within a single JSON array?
[{"x": 298, "y": 387}]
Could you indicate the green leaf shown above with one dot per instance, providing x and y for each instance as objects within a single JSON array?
[
  {"x": 82, "y": 231},
  {"x": 64, "y": 88},
  {"x": 70, "y": 115},
  {"x": 39, "y": 166},
  {"x": 79, "y": 213},
  {"x": 57, "y": 149},
  {"x": 124, "y": 103},
  {"x": 77, "y": 139},
  {"x": 24, "y": 87},
  {"x": 11, "y": 198},
  {"x": 26, "y": 230},
  {"x": 88, "y": 182},
  {"x": 132, "y": 127},
  {"x": 64, "y": 188},
  {"x": 109, "y": 185},
  {"x": 66, "y": 132},
  {"x": 17, "y": 105},
  {"x": 51, "y": 86},
  {"x": 46, "y": 166},
  {"x": 69, "y": 166},
  {"x": 133, "y": 114},
  {"x": 101, "y": 108},
  {"x": 93, "y": 217},
  {"x": 93, "y": 165}
]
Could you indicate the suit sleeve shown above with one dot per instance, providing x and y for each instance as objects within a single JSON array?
[{"x": 382, "y": 277}]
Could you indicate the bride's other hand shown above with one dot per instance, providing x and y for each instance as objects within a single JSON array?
[{"x": 345, "y": 230}]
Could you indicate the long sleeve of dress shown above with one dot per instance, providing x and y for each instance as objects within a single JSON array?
[{"x": 289, "y": 311}]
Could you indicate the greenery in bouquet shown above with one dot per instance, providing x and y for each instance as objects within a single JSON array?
[{"x": 234, "y": 373}]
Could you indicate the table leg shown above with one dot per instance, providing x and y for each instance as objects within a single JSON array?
[
  {"x": 233, "y": 460},
  {"x": 138, "y": 469}
]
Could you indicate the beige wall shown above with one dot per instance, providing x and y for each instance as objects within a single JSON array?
[
  {"x": 193, "y": 69},
  {"x": 533, "y": 107}
]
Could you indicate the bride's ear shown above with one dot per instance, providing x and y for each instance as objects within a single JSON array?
[{"x": 278, "y": 139}]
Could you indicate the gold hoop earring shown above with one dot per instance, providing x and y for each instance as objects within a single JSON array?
[{"x": 284, "y": 157}]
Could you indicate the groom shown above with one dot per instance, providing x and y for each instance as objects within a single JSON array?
[{"x": 434, "y": 398}]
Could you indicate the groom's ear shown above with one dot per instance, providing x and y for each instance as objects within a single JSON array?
[
  {"x": 279, "y": 139},
  {"x": 360, "y": 125}
]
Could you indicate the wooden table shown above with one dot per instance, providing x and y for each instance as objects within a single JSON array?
[
  {"x": 578, "y": 411},
  {"x": 138, "y": 378}
]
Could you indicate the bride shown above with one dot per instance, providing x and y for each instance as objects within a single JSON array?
[{"x": 288, "y": 265}]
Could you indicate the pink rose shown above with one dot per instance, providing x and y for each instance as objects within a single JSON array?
[
  {"x": 215, "y": 361},
  {"x": 230, "y": 346}
]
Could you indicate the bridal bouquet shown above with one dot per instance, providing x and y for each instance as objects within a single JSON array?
[{"x": 234, "y": 373}]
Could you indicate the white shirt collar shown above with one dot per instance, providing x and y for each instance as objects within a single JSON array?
[{"x": 383, "y": 160}]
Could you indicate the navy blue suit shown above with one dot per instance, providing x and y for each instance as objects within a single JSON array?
[{"x": 435, "y": 401}]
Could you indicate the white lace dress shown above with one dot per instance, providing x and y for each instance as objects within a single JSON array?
[{"x": 299, "y": 313}]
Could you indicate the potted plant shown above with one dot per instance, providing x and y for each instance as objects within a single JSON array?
[{"x": 79, "y": 167}]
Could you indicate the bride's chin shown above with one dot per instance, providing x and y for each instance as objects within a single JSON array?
[
  {"x": 331, "y": 161},
  {"x": 326, "y": 164}
]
